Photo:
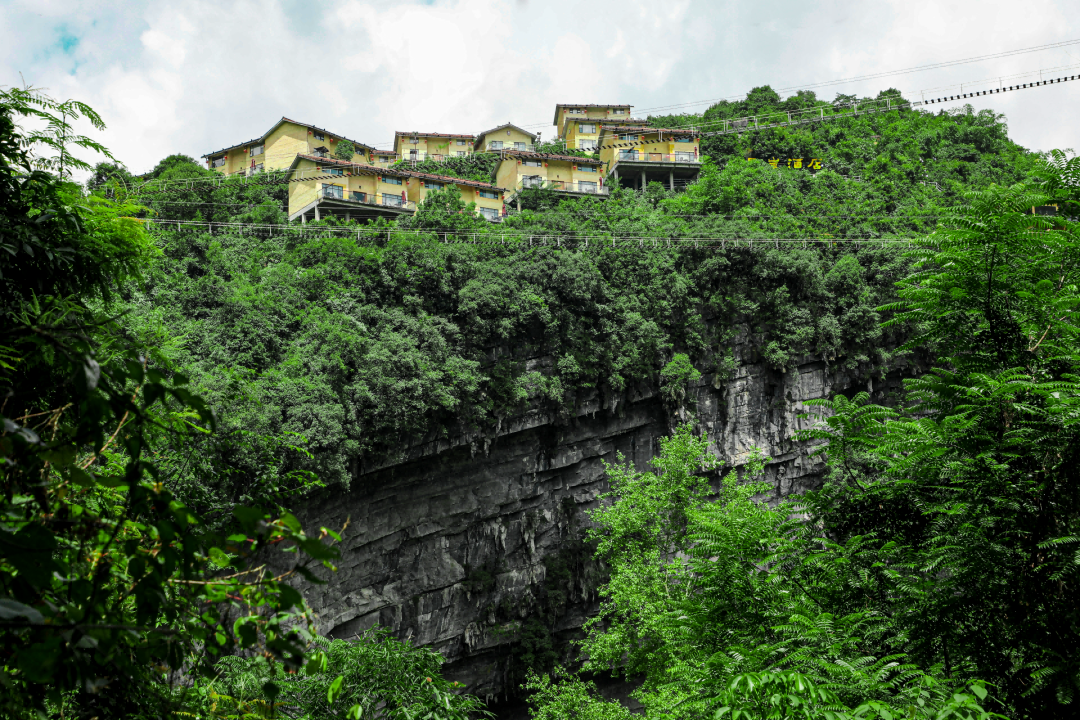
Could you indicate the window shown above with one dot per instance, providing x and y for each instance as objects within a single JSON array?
[
  {"x": 587, "y": 187},
  {"x": 628, "y": 155},
  {"x": 414, "y": 141},
  {"x": 532, "y": 163},
  {"x": 495, "y": 145},
  {"x": 319, "y": 135},
  {"x": 587, "y": 145},
  {"x": 332, "y": 191},
  {"x": 490, "y": 194},
  {"x": 628, "y": 138},
  {"x": 586, "y": 168},
  {"x": 618, "y": 111},
  {"x": 257, "y": 150},
  {"x": 462, "y": 142},
  {"x": 392, "y": 180},
  {"x": 384, "y": 159},
  {"x": 575, "y": 111},
  {"x": 333, "y": 171},
  {"x": 217, "y": 162},
  {"x": 428, "y": 185},
  {"x": 489, "y": 213},
  {"x": 461, "y": 153},
  {"x": 391, "y": 200},
  {"x": 586, "y": 128},
  {"x": 519, "y": 146},
  {"x": 531, "y": 181},
  {"x": 684, "y": 157},
  {"x": 359, "y": 196},
  {"x": 682, "y": 138}
]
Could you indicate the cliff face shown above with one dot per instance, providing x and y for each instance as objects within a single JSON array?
[{"x": 473, "y": 545}]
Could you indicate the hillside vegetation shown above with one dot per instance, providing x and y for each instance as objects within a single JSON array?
[{"x": 171, "y": 390}]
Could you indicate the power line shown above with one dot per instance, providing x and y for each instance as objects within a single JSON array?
[{"x": 871, "y": 76}]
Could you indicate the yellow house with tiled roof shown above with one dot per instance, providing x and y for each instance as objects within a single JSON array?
[
  {"x": 489, "y": 198},
  {"x": 518, "y": 171},
  {"x": 276, "y": 149},
  {"x": 505, "y": 137},
  {"x": 635, "y": 156},
  {"x": 417, "y": 146},
  {"x": 321, "y": 186},
  {"x": 588, "y": 115}
]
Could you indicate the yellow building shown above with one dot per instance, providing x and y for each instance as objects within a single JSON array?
[
  {"x": 383, "y": 158},
  {"x": 584, "y": 133},
  {"x": 417, "y": 146},
  {"x": 634, "y": 156},
  {"x": 578, "y": 115},
  {"x": 488, "y": 198},
  {"x": 505, "y": 137},
  {"x": 579, "y": 176},
  {"x": 321, "y": 186},
  {"x": 276, "y": 149}
]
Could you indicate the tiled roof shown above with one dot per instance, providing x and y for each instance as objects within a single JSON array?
[
  {"x": 383, "y": 152},
  {"x": 284, "y": 119},
  {"x": 361, "y": 167},
  {"x": 549, "y": 156}
]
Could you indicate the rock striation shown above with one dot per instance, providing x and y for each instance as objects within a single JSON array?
[{"x": 472, "y": 545}]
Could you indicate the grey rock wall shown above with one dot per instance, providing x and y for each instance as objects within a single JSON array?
[{"x": 450, "y": 544}]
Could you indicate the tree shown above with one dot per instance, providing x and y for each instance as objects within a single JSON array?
[
  {"x": 107, "y": 580},
  {"x": 344, "y": 150}
]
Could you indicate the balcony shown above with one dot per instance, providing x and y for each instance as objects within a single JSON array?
[
  {"x": 499, "y": 146},
  {"x": 437, "y": 157},
  {"x": 380, "y": 199},
  {"x": 638, "y": 156},
  {"x": 584, "y": 188}
]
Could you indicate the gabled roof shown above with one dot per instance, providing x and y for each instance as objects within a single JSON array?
[
  {"x": 549, "y": 156},
  {"x": 503, "y": 127},
  {"x": 584, "y": 105},
  {"x": 278, "y": 124}
]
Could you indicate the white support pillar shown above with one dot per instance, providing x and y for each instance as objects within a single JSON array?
[
  {"x": 671, "y": 180},
  {"x": 316, "y": 211},
  {"x": 643, "y": 181}
]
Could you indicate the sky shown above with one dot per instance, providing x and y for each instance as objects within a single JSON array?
[{"x": 196, "y": 76}]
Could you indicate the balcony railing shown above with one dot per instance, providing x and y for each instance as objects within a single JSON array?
[
  {"x": 519, "y": 147},
  {"x": 381, "y": 199},
  {"x": 638, "y": 156},
  {"x": 588, "y": 188},
  {"x": 437, "y": 157}
]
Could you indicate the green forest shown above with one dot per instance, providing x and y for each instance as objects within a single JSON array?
[{"x": 180, "y": 368}]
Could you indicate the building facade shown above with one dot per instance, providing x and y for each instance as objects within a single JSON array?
[
  {"x": 326, "y": 186},
  {"x": 505, "y": 137},
  {"x": 417, "y": 146},
  {"x": 519, "y": 171},
  {"x": 584, "y": 118},
  {"x": 634, "y": 156},
  {"x": 276, "y": 149}
]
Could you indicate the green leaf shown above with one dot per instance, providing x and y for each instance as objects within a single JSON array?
[{"x": 335, "y": 689}]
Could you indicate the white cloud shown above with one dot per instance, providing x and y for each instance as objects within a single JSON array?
[{"x": 196, "y": 76}]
